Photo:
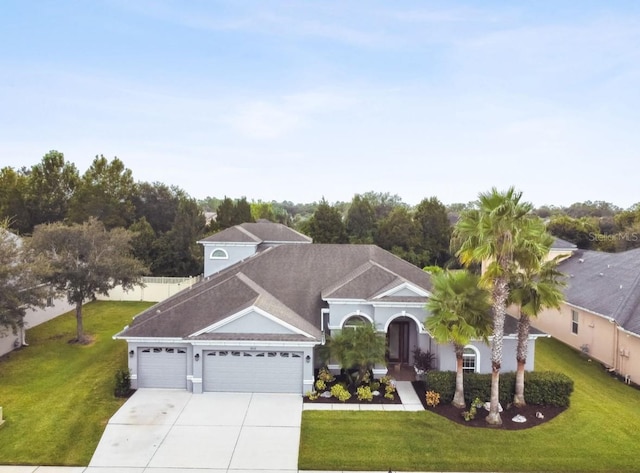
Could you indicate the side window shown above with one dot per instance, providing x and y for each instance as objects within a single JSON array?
[
  {"x": 469, "y": 360},
  {"x": 574, "y": 321}
]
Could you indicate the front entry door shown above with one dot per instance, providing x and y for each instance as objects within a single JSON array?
[{"x": 398, "y": 342}]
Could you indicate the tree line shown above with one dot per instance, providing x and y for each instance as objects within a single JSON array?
[{"x": 167, "y": 222}]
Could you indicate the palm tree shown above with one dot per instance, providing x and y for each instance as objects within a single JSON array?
[
  {"x": 460, "y": 312},
  {"x": 533, "y": 289},
  {"x": 496, "y": 234},
  {"x": 360, "y": 348}
]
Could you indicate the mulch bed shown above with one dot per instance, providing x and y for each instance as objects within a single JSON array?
[
  {"x": 354, "y": 400},
  {"x": 455, "y": 414}
]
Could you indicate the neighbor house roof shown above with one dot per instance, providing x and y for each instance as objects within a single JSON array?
[
  {"x": 605, "y": 283},
  {"x": 259, "y": 232},
  {"x": 287, "y": 281},
  {"x": 560, "y": 244}
]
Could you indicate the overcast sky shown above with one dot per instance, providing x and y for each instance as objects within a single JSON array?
[{"x": 297, "y": 100}]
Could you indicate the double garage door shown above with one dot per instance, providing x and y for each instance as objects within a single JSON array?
[
  {"x": 223, "y": 370},
  {"x": 252, "y": 371}
]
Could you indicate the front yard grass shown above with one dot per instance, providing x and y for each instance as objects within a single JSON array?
[
  {"x": 57, "y": 397},
  {"x": 598, "y": 433}
]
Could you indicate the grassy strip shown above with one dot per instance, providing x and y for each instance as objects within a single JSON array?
[
  {"x": 57, "y": 397},
  {"x": 598, "y": 433}
]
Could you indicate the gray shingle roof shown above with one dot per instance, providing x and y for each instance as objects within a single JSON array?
[
  {"x": 259, "y": 232},
  {"x": 560, "y": 244},
  {"x": 605, "y": 283},
  {"x": 288, "y": 280}
]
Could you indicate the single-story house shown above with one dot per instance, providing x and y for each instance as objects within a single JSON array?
[
  {"x": 601, "y": 312},
  {"x": 269, "y": 298}
]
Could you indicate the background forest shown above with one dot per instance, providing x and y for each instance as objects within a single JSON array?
[{"x": 168, "y": 222}]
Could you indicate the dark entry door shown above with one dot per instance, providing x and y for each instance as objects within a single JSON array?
[{"x": 398, "y": 342}]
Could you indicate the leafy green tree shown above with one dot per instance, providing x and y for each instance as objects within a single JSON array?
[
  {"x": 52, "y": 182},
  {"x": 105, "y": 192},
  {"x": 143, "y": 244},
  {"x": 262, "y": 210},
  {"x": 358, "y": 348},
  {"x": 326, "y": 225},
  {"x": 435, "y": 230},
  {"x": 85, "y": 260},
  {"x": 533, "y": 288},
  {"x": 157, "y": 203},
  {"x": 398, "y": 230},
  {"x": 230, "y": 213},
  {"x": 243, "y": 211},
  {"x": 581, "y": 231},
  {"x": 13, "y": 205},
  {"x": 20, "y": 286},
  {"x": 499, "y": 229},
  {"x": 460, "y": 312},
  {"x": 383, "y": 203},
  {"x": 361, "y": 220}
]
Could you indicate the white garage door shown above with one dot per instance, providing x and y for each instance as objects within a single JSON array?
[
  {"x": 253, "y": 371},
  {"x": 162, "y": 368}
]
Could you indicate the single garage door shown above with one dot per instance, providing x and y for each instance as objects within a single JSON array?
[
  {"x": 253, "y": 371},
  {"x": 161, "y": 367}
]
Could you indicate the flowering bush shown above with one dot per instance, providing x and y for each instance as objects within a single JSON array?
[
  {"x": 364, "y": 393},
  {"x": 433, "y": 398},
  {"x": 312, "y": 395},
  {"x": 325, "y": 375},
  {"x": 389, "y": 391},
  {"x": 340, "y": 392},
  {"x": 321, "y": 385}
]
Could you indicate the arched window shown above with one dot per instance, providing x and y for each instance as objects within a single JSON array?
[
  {"x": 355, "y": 322},
  {"x": 219, "y": 253},
  {"x": 470, "y": 359}
]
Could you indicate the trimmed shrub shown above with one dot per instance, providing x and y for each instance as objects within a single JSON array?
[
  {"x": 541, "y": 388},
  {"x": 547, "y": 388},
  {"x": 123, "y": 384},
  {"x": 443, "y": 382}
]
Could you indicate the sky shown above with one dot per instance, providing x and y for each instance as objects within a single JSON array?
[{"x": 300, "y": 100}]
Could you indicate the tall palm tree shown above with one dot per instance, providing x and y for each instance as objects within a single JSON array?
[
  {"x": 496, "y": 233},
  {"x": 460, "y": 312},
  {"x": 533, "y": 289}
]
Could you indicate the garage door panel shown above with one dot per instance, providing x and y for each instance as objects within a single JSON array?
[
  {"x": 253, "y": 371},
  {"x": 162, "y": 367}
]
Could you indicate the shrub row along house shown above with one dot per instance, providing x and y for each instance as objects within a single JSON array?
[
  {"x": 268, "y": 301},
  {"x": 601, "y": 312}
]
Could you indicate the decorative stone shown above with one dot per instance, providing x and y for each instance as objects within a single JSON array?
[
  {"x": 375, "y": 393},
  {"x": 487, "y": 406},
  {"x": 539, "y": 415},
  {"x": 519, "y": 419},
  {"x": 326, "y": 394}
]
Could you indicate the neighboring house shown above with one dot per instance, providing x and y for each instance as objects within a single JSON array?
[
  {"x": 269, "y": 299},
  {"x": 601, "y": 313},
  {"x": 53, "y": 307}
]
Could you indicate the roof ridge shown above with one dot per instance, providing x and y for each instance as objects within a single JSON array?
[
  {"x": 248, "y": 233},
  {"x": 346, "y": 278}
]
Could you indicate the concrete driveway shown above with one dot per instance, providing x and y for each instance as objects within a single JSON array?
[{"x": 161, "y": 429}]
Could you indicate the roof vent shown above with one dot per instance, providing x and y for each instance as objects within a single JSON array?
[
  {"x": 620, "y": 286},
  {"x": 601, "y": 274},
  {"x": 581, "y": 260},
  {"x": 157, "y": 311}
]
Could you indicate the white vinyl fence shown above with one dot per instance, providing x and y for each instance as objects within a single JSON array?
[{"x": 155, "y": 289}]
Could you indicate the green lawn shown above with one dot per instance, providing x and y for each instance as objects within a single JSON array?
[
  {"x": 57, "y": 397},
  {"x": 599, "y": 432}
]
